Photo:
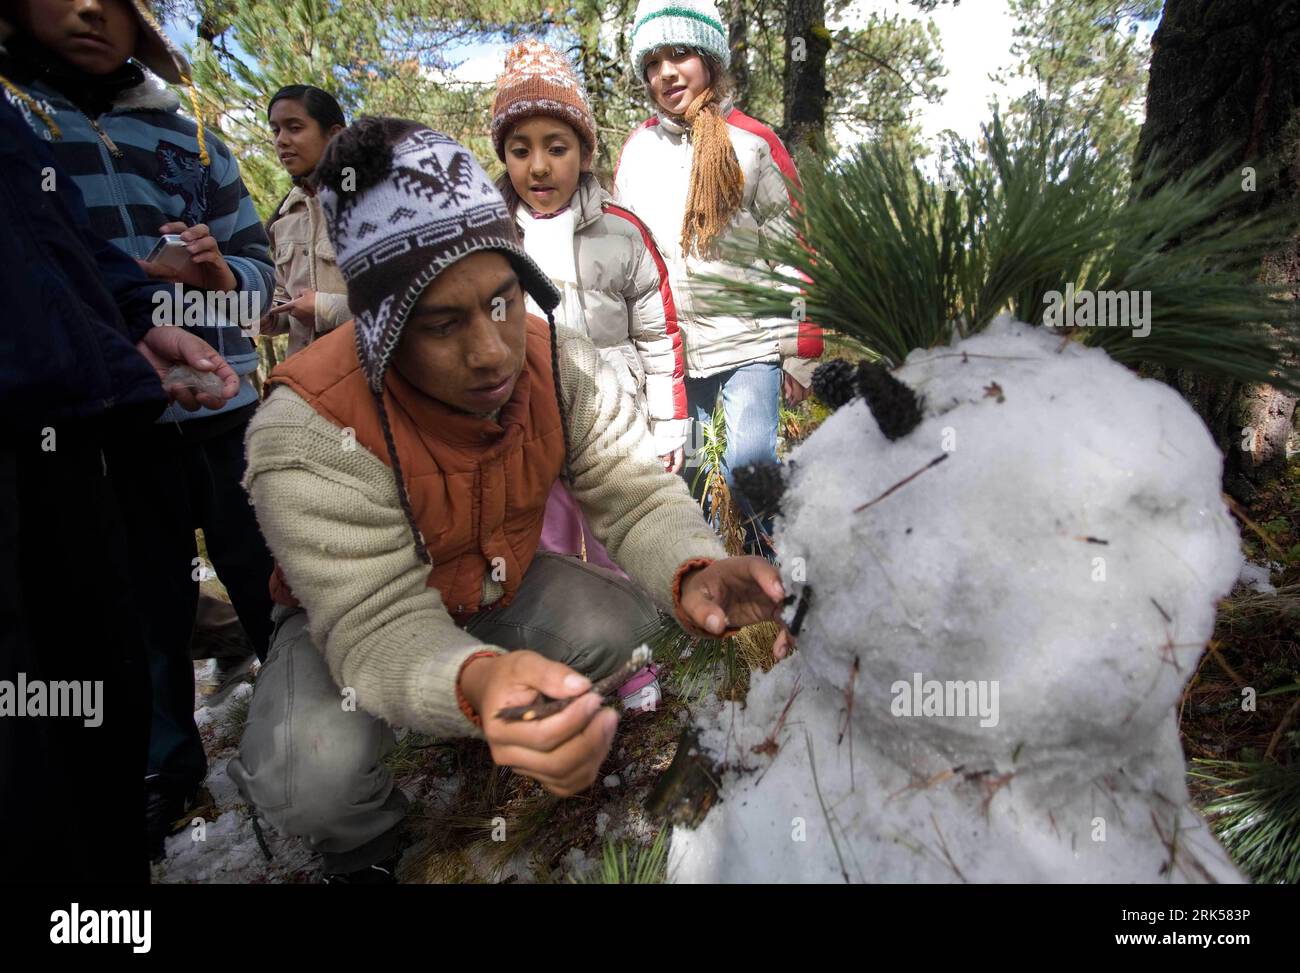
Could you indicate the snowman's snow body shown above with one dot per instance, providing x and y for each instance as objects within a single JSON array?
[{"x": 1064, "y": 562}]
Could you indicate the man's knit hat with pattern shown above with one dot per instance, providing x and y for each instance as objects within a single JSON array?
[
  {"x": 690, "y": 23},
  {"x": 403, "y": 203},
  {"x": 537, "y": 80}
]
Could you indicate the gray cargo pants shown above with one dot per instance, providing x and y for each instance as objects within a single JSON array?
[{"x": 315, "y": 770}]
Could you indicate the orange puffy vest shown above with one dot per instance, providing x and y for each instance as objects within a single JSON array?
[{"x": 478, "y": 488}]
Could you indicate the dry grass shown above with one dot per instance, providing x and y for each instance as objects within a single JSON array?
[
  {"x": 720, "y": 511},
  {"x": 698, "y": 668}
]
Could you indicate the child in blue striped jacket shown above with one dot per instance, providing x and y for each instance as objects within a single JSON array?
[
  {"x": 141, "y": 165},
  {"x": 74, "y": 71}
]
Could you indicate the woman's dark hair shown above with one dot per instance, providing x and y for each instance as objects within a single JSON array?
[{"x": 320, "y": 104}]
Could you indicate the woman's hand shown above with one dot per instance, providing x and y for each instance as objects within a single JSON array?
[
  {"x": 206, "y": 269},
  {"x": 302, "y": 307},
  {"x": 673, "y": 461},
  {"x": 166, "y": 346},
  {"x": 563, "y": 752}
]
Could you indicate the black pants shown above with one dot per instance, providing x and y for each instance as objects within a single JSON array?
[
  {"x": 196, "y": 468},
  {"x": 71, "y": 794}
]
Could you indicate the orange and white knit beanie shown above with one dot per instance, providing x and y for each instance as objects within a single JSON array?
[{"x": 537, "y": 80}]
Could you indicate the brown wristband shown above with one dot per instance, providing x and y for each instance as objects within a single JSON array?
[
  {"x": 461, "y": 701},
  {"x": 687, "y": 625}
]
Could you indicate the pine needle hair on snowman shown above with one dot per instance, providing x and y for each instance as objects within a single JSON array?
[{"x": 404, "y": 204}]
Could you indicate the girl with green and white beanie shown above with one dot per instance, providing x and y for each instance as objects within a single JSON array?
[{"x": 699, "y": 171}]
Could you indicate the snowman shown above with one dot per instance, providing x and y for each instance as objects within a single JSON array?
[{"x": 1006, "y": 555}]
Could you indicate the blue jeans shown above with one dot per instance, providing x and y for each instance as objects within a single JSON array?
[{"x": 750, "y": 405}]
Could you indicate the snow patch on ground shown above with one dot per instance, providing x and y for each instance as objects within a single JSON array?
[
  {"x": 576, "y": 866},
  {"x": 220, "y": 844},
  {"x": 1256, "y": 578}
]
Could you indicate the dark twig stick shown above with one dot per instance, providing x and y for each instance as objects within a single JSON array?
[
  {"x": 1281, "y": 728},
  {"x": 826, "y": 812},
  {"x": 848, "y": 701},
  {"x": 544, "y": 706},
  {"x": 801, "y": 610},
  {"x": 1170, "y": 843},
  {"x": 943, "y": 846},
  {"x": 1213, "y": 649},
  {"x": 848, "y": 718},
  {"x": 1163, "y": 614},
  {"x": 903, "y": 482},
  {"x": 771, "y": 745},
  {"x": 261, "y": 838}
]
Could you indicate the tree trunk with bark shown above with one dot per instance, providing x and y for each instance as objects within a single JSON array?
[
  {"x": 1226, "y": 73},
  {"x": 807, "y": 40},
  {"x": 738, "y": 13}
]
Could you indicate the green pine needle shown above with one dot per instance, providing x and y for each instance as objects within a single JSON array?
[
  {"x": 711, "y": 667},
  {"x": 896, "y": 261},
  {"x": 632, "y": 864},
  {"x": 1256, "y": 815}
]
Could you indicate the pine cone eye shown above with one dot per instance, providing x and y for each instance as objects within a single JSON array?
[
  {"x": 834, "y": 382},
  {"x": 896, "y": 408}
]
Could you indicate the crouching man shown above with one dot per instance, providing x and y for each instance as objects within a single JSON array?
[{"x": 400, "y": 470}]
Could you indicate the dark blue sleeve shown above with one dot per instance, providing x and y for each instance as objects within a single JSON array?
[{"x": 65, "y": 347}]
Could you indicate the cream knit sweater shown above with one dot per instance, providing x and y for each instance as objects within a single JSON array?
[{"x": 331, "y": 517}]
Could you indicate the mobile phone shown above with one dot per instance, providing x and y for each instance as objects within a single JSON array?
[{"x": 169, "y": 252}]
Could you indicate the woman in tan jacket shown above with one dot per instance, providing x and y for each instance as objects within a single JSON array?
[{"x": 310, "y": 296}]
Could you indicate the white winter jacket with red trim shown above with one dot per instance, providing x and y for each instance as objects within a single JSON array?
[
  {"x": 653, "y": 177},
  {"x": 623, "y": 301}
]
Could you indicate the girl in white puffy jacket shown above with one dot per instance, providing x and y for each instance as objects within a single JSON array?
[
  {"x": 614, "y": 284},
  {"x": 699, "y": 171}
]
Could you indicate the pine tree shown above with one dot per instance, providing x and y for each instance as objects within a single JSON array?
[
  {"x": 875, "y": 64},
  {"x": 1087, "y": 61}
]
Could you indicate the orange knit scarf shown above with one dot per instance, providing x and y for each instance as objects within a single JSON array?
[{"x": 717, "y": 183}]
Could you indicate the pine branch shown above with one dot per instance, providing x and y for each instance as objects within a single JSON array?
[{"x": 898, "y": 261}]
